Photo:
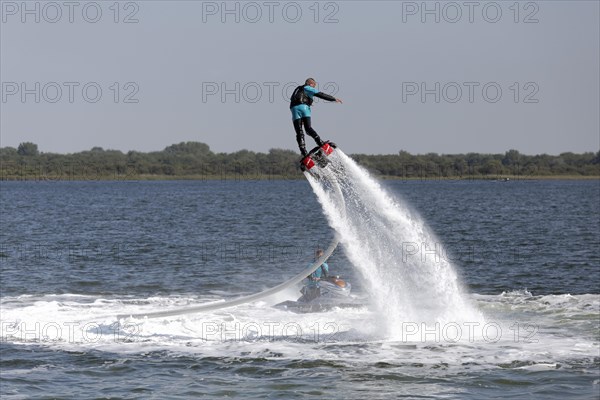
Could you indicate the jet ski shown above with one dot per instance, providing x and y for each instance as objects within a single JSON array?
[{"x": 330, "y": 292}]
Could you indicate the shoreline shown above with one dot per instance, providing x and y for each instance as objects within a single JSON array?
[{"x": 261, "y": 178}]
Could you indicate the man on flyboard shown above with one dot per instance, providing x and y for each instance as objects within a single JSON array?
[{"x": 300, "y": 103}]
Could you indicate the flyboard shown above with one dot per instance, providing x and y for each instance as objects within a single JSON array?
[{"x": 316, "y": 157}]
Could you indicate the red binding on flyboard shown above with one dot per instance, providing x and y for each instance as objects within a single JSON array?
[{"x": 317, "y": 156}]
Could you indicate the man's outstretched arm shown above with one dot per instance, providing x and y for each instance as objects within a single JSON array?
[{"x": 327, "y": 97}]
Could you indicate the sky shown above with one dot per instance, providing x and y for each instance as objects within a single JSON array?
[{"x": 423, "y": 77}]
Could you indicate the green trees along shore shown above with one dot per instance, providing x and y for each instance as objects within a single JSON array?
[{"x": 194, "y": 160}]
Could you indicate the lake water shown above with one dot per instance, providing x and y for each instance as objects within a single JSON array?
[{"x": 76, "y": 254}]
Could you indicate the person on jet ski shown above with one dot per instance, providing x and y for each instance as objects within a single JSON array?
[
  {"x": 312, "y": 290},
  {"x": 322, "y": 271},
  {"x": 300, "y": 102}
]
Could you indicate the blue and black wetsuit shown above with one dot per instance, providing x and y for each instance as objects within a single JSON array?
[{"x": 300, "y": 103}]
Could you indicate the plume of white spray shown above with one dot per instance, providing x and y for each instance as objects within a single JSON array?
[{"x": 408, "y": 276}]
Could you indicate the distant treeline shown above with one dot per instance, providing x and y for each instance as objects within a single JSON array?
[{"x": 194, "y": 160}]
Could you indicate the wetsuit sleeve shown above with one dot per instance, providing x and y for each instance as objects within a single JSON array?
[
  {"x": 325, "y": 270},
  {"x": 310, "y": 91},
  {"x": 324, "y": 96}
]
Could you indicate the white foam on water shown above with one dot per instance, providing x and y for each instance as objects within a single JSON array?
[
  {"x": 86, "y": 322},
  {"x": 520, "y": 331}
]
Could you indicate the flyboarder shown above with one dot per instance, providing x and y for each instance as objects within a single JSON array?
[{"x": 300, "y": 103}]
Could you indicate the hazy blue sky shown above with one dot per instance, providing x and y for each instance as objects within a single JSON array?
[{"x": 484, "y": 77}]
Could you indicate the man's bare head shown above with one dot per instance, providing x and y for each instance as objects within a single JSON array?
[{"x": 310, "y": 82}]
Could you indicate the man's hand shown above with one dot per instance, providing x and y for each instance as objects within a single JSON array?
[{"x": 339, "y": 101}]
